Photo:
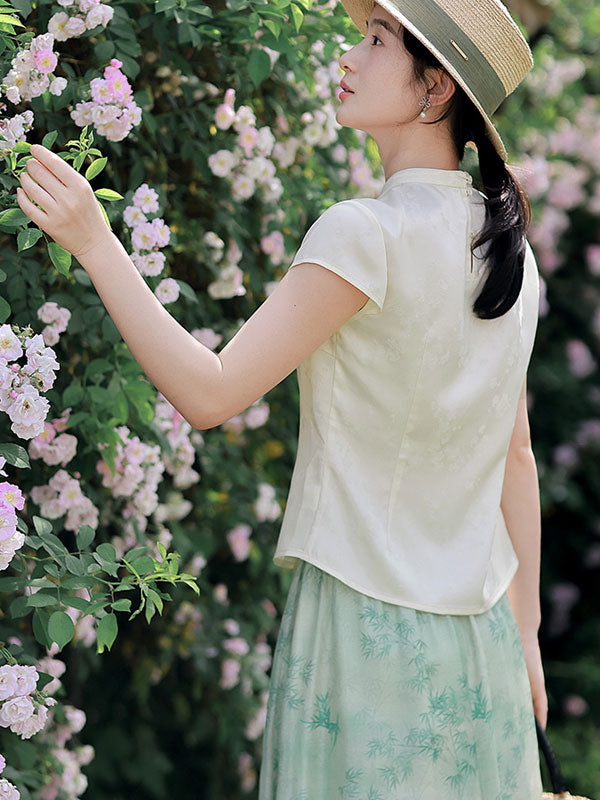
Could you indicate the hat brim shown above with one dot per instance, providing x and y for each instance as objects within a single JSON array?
[{"x": 360, "y": 10}]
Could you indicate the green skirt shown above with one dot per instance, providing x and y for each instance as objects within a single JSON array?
[{"x": 376, "y": 701}]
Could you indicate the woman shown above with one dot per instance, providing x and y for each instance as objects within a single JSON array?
[{"x": 407, "y": 663}]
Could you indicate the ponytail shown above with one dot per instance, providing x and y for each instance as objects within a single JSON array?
[
  {"x": 508, "y": 210},
  {"x": 508, "y": 216}
]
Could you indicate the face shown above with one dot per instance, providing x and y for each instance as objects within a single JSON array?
[{"x": 385, "y": 102}]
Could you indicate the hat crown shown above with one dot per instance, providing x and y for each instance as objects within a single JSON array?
[{"x": 490, "y": 27}]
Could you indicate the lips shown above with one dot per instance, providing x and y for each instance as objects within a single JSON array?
[{"x": 345, "y": 87}]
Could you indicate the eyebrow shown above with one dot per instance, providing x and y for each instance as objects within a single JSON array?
[{"x": 384, "y": 24}]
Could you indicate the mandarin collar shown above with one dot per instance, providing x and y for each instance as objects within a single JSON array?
[{"x": 443, "y": 177}]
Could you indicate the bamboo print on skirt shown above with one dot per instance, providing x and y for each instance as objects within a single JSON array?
[{"x": 377, "y": 701}]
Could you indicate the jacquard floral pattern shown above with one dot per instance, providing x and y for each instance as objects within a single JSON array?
[{"x": 375, "y": 701}]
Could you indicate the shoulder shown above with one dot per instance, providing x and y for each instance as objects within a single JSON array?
[
  {"x": 355, "y": 210},
  {"x": 350, "y": 225}
]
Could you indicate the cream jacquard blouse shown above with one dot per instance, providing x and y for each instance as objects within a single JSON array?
[{"x": 407, "y": 411}]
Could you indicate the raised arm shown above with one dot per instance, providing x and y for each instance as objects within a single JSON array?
[{"x": 306, "y": 307}]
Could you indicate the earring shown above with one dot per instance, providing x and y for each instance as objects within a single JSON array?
[{"x": 424, "y": 102}]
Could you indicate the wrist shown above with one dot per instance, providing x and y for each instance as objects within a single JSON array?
[{"x": 88, "y": 256}]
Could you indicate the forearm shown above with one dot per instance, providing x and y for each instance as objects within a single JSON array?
[
  {"x": 521, "y": 509},
  {"x": 182, "y": 368}
]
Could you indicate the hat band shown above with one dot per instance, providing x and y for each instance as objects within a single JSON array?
[{"x": 471, "y": 64}]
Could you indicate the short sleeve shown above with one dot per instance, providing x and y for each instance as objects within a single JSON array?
[{"x": 347, "y": 239}]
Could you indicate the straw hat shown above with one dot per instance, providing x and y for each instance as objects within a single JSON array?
[{"x": 477, "y": 41}]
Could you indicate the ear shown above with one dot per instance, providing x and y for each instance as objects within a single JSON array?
[{"x": 442, "y": 85}]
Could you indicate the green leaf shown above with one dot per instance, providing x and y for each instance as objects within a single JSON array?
[
  {"x": 187, "y": 291},
  {"x": 120, "y": 410},
  {"x": 39, "y": 624},
  {"x": 99, "y": 396},
  {"x": 19, "y": 608},
  {"x": 95, "y": 168},
  {"x": 60, "y": 628},
  {"x": 298, "y": 17},
  {"x": 259, "y": 66},
  {"x": 124, "y": 604},
  {"x": 74, "y": 565},
  {"x": 5, "y": 310},
  {"x": 12, "y": 584},
  {"x": 60, "y": 257},
  {"x": 77, "y": 602},
  {"x": 108, "y": 566},
  {"x": 11, "y": 20},
  {"x": 85, "y": 536},
  {"x": 41, "y": 599},
  {"x": 150, "y": 610},
  {"x": 139, "y": 389},
  {"x": 49, "y": 139},
  {"x": 104, "y": 50},
  {"x": 81, "y": 276},
  {"x": 107, "y": 194},
  {"x": 98, "y": 367},
  {"x": 41, "y": 525},
  {"x": 135, "y": 552},
  {"x": 50, "y": 538},
  {"x": 15, "y": 455},
  {"x": 86, "y": 582},
  {"x": 193, "y": 585},
  {"x": 21, "y": 147},
  {"x": 274, "y": 27},
  {"x": 107, "y": 551},
  {"x": 156, "y": 599},
  {"x": 146, "y": 412},
  {"x": 143, "y": 565},
  {"x": 72, "y": 394},
  {"x": 106, "y": 632},
  {"x": 27, "y": 238},
  {"x": 164, "y": 5},
  {"x": 13, "y": 218}
]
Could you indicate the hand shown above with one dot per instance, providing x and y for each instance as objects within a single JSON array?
[
  {"x": 533, "y": 659},
  {"x": 69, "y": 211}
]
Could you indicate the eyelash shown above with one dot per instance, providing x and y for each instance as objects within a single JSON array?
[{"x": 373, "y": 36}]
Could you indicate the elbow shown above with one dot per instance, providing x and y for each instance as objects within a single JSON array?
[
  {"x": 209, "y": 418},
  {"x": 207, "y": 426},
  {"x": 206, "y": 423},
  {"x": 521, "y": 453}
]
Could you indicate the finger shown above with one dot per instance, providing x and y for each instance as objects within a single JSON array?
[
  {"x": 63, "y": 171},
  {"x": 44, "y": 177},
  {"x": 36, "y": 192},
  {"x": 34, "y": 213}
]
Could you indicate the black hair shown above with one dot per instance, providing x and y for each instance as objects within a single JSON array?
[{"x": 508, "y": 210}]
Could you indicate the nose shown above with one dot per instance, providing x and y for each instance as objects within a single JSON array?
[{"x": 344, "y": 60}]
